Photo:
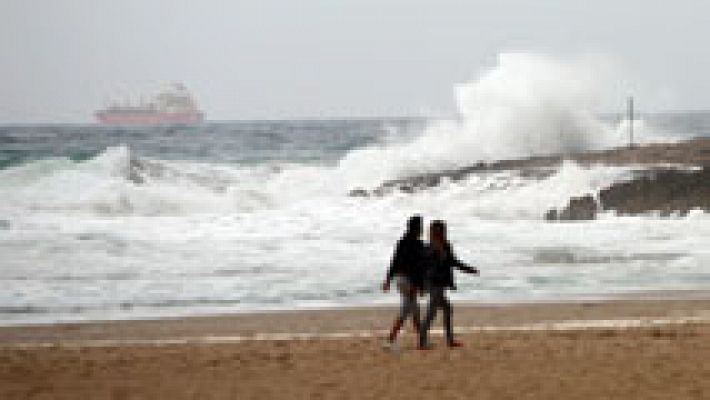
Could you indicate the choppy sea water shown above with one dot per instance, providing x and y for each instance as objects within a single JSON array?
[{"x": 132, "y": 222}]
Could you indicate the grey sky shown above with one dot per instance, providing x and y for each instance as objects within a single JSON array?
[{"x": 293, "y": 59}]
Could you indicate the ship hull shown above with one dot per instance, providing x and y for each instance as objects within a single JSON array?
[{"x": 111, "y": 118}]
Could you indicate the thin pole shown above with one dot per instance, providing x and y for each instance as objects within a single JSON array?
[{"x": 631, "y": 121}]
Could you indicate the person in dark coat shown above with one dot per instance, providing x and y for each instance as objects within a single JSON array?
[
  {"x": 407, "y": 270},
  {"x": 439, "y": 277}
]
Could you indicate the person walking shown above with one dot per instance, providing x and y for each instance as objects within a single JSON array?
[
  {"x": 439, "y": 278},
  {"x": 407, "y": 270}
]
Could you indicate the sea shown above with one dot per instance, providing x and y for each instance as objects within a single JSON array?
[{"x": 100, "y": 222}]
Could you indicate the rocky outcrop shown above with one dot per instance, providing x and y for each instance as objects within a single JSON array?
[
  {"x": 666, "y": 191},
  {"x": 579, "y": 209},
  {"x": 694, "y": 152},
  {"x": 427, "y": 181},
  {"x": 670, "y": 178},
  {"x": 669, "y": 191}
]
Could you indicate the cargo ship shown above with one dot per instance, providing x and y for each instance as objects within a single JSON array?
[{"x": 173, "y": 105}]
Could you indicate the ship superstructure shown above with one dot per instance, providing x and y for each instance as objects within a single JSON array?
[{"x": 173, "y": 105}]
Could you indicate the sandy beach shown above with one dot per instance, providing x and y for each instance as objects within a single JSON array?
[{"x": 533, "y": 351}]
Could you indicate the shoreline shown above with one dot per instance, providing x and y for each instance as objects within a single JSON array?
[
  {"x": 88, "y": 318},
  {"x": 372, "y": 318},
  {"x": 644, "y": 295}
]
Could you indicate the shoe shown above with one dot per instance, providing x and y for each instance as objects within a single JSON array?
[
  {"x": 425, "y": 347},
  {"x": 455, "y": 344},
  {"x": 391, "y": 346}
]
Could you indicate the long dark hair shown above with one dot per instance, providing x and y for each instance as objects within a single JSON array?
[
  {"x": 437, "y": 236},
  {"x": 414, "y": 225}
]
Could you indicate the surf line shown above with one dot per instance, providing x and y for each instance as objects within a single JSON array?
[{"x": 566, "y": 325}]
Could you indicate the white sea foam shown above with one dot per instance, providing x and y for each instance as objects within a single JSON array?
[
  {"x": 124, "y": 236},
  {"x": 528, "y": 104},
  {"x": 87, "y": 241}
]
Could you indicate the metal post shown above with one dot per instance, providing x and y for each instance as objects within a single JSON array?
[{"x": 631, "y": 121}]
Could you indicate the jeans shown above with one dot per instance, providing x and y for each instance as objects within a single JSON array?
[
  {"x": 409, "y": 305},
  {"x": 437, "y": 299}
]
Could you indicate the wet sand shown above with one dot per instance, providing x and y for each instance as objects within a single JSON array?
[{"x": 137, "y": 360}]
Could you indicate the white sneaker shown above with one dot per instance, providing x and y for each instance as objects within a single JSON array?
[{"x": 392, "y": 347}]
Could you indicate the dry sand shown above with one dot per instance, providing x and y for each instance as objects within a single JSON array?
[{"x": 662, "y": 362}]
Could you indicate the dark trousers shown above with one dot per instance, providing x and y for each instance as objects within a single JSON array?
[
  {"x": 437, "y": 300},
  {"x": 409, "y": 305}
]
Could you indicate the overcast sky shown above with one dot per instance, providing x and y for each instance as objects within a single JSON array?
[{"x": 261, "y": 59}]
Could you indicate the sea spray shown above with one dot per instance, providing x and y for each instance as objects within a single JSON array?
[
  {"x": 508, "y": 195},
  {"x": 528, "y": 104}
]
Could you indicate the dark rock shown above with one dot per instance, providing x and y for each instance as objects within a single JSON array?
[
  {"x": 579, "y": 209},
  {"x": 359, "y": 192},
  {"x": 407, "y": 189},
  {"x": 551, "y": 215},
  {"x": 666, "y": 191}
]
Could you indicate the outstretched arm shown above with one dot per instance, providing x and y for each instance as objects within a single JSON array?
[
  {"x": 469, "y": 269},
  {"x": 460, "y": 265}
]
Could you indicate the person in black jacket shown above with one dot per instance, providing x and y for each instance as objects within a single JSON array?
[
  {"x": 407, "y": 269},
  {"x": 439, "y": 277}
]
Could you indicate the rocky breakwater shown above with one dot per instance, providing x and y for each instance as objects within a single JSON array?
[
  {"x": 670, "y": 178},
  {"x": 674, "y": 179},
  {"x": 665, "y": 191},
  {"x": 690, "y": 153}
]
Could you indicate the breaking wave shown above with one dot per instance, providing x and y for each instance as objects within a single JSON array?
[
  {"x": 528, "y": 104},
  {"x": 117, "y": 183}
]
